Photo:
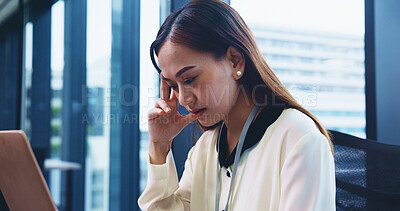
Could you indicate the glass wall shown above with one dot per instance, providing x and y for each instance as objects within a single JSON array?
[
  {"x": 149, "y": 91},
  {"x": 27, "y": 79},
  {"x": 52, "y": 163},
  {"x": 57, "y": 68},
  {"x": 316, "y": 48},
  {"x": 98, "y": 59}
]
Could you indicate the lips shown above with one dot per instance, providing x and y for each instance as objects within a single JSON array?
[{"x": 197, "y": 112}]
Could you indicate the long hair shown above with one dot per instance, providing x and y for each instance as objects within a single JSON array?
[{"x": 212, "y": 26}]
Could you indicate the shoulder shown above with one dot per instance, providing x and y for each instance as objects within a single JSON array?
[
  {"x": 295, "y": 124},
  {"x": 208, "y": 137},
  {"x": 206, "y": 142},
  {"x": 293, "y": 127}
]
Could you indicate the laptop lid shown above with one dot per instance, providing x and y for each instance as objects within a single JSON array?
[{"x": 21, "y": 180}]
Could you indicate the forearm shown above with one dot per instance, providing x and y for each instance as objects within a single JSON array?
[{"x": 162, "y": 186}]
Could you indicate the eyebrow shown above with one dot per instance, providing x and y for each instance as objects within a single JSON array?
[{"x": 180, "y": 72}]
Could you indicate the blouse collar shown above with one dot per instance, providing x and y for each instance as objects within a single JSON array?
[{"x": 267, "y": 116}]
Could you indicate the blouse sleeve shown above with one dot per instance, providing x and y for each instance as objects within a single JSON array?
[
  {"x": 308, "y": 176},
  {"x": 163, "y": 192}
]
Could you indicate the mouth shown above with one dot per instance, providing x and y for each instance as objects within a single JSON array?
[{"x": 197, "y": 112}]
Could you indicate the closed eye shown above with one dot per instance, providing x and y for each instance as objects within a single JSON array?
[
  {"x": 190, "y": 80},
  {"x": 174, "y": 87}
]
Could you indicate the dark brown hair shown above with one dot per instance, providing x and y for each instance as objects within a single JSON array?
[{"x": 212, "y": 26}]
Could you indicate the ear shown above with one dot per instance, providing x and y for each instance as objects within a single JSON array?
[{"x": 237, "y": 62}]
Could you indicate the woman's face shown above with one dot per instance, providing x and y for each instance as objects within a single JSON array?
[{"x": 202, "y": 84}]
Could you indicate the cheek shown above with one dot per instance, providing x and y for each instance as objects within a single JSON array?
[
  {"x": 217, "y": 89},
  {"x": 219, "y": 96}
]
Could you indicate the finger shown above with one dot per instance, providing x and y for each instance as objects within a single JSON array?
[
  {"x": 163, "y": 105},
  {"x": 163, "y": 89},
  {"x": 172, "y": 95},
  {"x": 173, "y": 98},
  {"x": 154, "y": 113}
]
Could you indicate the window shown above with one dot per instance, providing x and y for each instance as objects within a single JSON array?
[
  {"x": 309, "y": 36},
  {"x": 98, "y": 60},
  {"x": 57, "y": 69},
  {"x": 149, "y": 92},
  {"x": 26, "y": 102}
]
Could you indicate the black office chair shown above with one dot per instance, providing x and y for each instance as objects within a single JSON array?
[{"x": 367, "y": 174}]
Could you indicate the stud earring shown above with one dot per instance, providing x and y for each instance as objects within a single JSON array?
[{"x": 238, "y": 73}]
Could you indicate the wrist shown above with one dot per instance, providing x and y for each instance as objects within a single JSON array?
[{"x": 158, "y": 152}]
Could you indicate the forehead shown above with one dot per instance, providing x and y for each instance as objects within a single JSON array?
[{"x": 172, "y": 57}]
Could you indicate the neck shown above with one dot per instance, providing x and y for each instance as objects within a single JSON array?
[{"x": 237, "y": 118}]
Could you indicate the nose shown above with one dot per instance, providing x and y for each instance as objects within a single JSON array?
[{"x": 186, "y": 97}]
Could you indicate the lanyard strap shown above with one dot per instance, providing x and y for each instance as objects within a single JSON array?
[{"x": 237, "y": 156}]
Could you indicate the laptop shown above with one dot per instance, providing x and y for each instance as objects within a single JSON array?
[{"x": 21, "y": 180}]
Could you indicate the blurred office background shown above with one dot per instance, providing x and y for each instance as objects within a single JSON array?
[{"x": 76, "y": 76}]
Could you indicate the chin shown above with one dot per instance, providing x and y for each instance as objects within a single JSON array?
[{"x": 209, "y": 123}]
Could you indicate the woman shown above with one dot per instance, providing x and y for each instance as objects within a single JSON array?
[{"x": 261, "y": 150}]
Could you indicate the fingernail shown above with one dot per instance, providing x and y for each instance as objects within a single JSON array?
[{"x": 168, "y": 109}]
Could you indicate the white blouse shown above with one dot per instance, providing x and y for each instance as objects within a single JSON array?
[{"x": 291, "y": 168}]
